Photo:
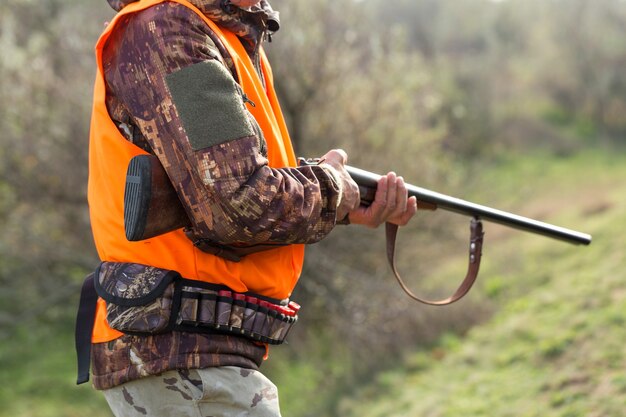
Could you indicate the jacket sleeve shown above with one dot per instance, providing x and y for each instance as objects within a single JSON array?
[{"x": 165, "y": 70}]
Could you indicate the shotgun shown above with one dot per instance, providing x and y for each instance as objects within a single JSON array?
[{"x": 152, "y": 208}]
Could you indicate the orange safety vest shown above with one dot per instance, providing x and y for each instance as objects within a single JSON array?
[{"x": 272, "y": 273}]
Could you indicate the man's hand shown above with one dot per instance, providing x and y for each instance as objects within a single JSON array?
[
  {"x": 350, "y": 197},
  {"x": 391, "y": 204}
]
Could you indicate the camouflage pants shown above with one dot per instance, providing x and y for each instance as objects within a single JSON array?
[{"x": 212, "y": 392}]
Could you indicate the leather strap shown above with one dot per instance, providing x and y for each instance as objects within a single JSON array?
[
  {"x": 475, "y": 253},
  {"x": 84, "y": 327}
]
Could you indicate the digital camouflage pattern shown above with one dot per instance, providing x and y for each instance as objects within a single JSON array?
[
  {"x": 249, "y": 25},
  {"x": 232, "y": 196},
  {"x": 230, "y": 193},
  {"x": 215, "y": 392}
]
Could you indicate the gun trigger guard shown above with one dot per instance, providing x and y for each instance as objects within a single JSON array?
[{"x": 475, "y": 255}]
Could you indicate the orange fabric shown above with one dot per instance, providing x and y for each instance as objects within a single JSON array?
[{"x": 272, "y": 273}]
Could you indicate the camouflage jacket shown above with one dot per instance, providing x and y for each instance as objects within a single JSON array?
[
  {"x": 222, "y": 176},
  {"x": 286, "y": 205}
]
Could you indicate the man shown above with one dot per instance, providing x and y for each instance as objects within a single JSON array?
[{"x": 188, "y": 81}]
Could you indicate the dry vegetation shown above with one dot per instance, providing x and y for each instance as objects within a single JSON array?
[{"x": 440, "y": 91}]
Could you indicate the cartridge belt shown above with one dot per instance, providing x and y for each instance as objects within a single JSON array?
[
  {"x": 145, "y": 300},
  {"x": 227, "y": 311}
]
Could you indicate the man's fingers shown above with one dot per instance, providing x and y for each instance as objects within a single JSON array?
[
  {"x": 391, "y": 204},
  {"x": 381, "y": 192},
  {"x": 401, "y": 195},
  {"x": 392, "y": 193},
  {"x": 411, "y": 209},
  {"x": 376, "y": 211}
]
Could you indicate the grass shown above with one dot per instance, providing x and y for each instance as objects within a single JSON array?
[
  {"x": 555, "y": 347},
  {"x": 38, "y": 374}
]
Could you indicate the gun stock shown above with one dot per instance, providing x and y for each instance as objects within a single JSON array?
[{"x": 151, "y": 205}]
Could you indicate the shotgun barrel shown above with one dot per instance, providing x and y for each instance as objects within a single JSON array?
[{"x": 369, "y": 180}]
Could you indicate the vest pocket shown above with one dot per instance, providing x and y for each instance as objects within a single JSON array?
[
  {"x": 145, "y": 300},
  {"x": 139, "y": 298}
]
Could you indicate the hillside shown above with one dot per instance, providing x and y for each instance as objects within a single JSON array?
[
  {"x": 556, "y": 345},
  {"x": 553, "y": 347}
]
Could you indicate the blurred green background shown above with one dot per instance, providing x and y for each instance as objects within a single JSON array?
[{"x": 516, "y": 104}]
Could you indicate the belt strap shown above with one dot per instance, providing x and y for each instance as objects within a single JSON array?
[
  {"x": 475, "y": 253},
  {"x": 84, "y": 327}
]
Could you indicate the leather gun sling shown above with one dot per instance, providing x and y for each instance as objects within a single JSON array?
[{"x": 475, "y": 253}]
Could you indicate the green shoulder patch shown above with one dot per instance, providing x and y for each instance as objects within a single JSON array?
[{"x": 209, "y": 103}]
